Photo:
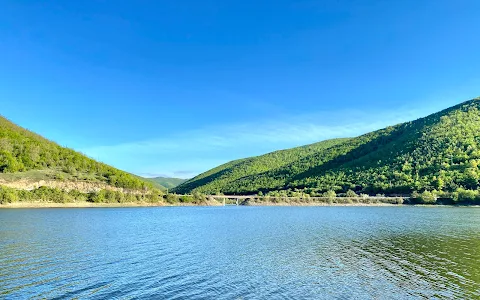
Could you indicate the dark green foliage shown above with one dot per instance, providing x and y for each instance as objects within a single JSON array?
[
  {"x": 324, "y": 200},
  {"x": 426, "y": 197},
  {"x": 22, "y": 150},
  {"x": 196, "y": 198},
  {"x": 220, "y": 179},
  {"x": 8, "y": 195},
  {"x": 171, "y": 198},
  {"x": 436, "y": 154}
]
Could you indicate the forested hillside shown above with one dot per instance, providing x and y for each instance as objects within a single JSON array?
[
  {"x": 219, "y": 178},
  {"x": 24, "y": 155},
  {"x": 439, "y": 153}
]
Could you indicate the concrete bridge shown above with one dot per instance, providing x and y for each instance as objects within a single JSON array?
[
  {"x": 240, "y": 199},
  {"x": 237, "y": 199}
]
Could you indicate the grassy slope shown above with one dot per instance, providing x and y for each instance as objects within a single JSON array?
[
  {"x": 167, "y": 182},
  {"x": 26, "y": 155},
  {"x": 440, "y": 152}
]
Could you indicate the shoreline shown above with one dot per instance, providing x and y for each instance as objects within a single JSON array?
[
  {"x": 85, "y": 204},
  {"x": 77, "y": 205}
]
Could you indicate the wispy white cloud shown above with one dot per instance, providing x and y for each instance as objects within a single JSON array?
[{"x": 188, "y": 153}]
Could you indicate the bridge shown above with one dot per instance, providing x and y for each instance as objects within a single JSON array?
[
  {"x": 230, "y": 197},
  {"x": 393, "y": 199}
]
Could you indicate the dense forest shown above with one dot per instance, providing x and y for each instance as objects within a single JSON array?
[
  {"x": 215, "y": 180},
  {"x": 22, "y": 151},
  {"x": 436, "y": 156}
]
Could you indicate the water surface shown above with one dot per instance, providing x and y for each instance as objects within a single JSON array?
[{"x": 240, "y": 253}]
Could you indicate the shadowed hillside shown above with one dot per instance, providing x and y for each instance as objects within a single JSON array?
[{"x": 219, "y": 178}]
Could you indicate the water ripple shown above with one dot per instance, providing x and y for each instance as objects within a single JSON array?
[{"x": 240, "y": 253}]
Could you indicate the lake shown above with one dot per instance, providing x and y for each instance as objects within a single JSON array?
[{"x": 240, "y": 253}]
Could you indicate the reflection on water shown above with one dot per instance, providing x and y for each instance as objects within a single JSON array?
[
  {"x": 241, "y": 252},
  {"x": 418, "y": 264}
]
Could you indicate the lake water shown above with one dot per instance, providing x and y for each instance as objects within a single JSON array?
[{"x": 240, "y": 253}]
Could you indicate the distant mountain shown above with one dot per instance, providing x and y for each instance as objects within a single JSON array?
[
  {"x": 27, "y": 159},
  {"x": 440, "y": 152},
  {"x": 167, "y": 182}
]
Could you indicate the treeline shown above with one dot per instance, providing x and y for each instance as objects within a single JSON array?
[
  {"x": 196, "y": 198},
  {"x": 46, "y": 194},
  {"x": 439, "y": 154},
  {"x": 22, "y": 150},
  {"x": 458, "y": 197},
  {"x": 325, "y": 200}
]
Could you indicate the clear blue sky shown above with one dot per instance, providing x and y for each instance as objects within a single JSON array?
[{"x": 177, "y": 87}]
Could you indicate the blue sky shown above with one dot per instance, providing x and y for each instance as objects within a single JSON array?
[{"x": 177, "y": 87}]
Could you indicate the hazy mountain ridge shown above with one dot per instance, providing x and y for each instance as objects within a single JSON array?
[{"x": 167, "y": 182}]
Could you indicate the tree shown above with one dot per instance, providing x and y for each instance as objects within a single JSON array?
[{"x": 439, "y": 183}]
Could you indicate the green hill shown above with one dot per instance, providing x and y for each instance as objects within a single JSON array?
[
  {"x": 439, "y": 153},
  {"x": 220, "y": 178},
  {"x": 26, "y": 156},
  {"x": 167, "y": 182}
]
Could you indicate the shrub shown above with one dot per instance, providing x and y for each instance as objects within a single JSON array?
[
  {"x": 8, "y": 195},
  {"x": 171, "y": 198},
  {"x": 99, "y": 197},
  {"x": 78, "y": 196},
  {"x": 351, "y": 194},
  {"x": 330, "y": 194},
  {"x": 152, "y": 198},
  {"x": 198, "y": 198},
  {"x": 428, "y": 197},
  {"x": 465, "y": 196},
  {"x": 186, "y": 199}
]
